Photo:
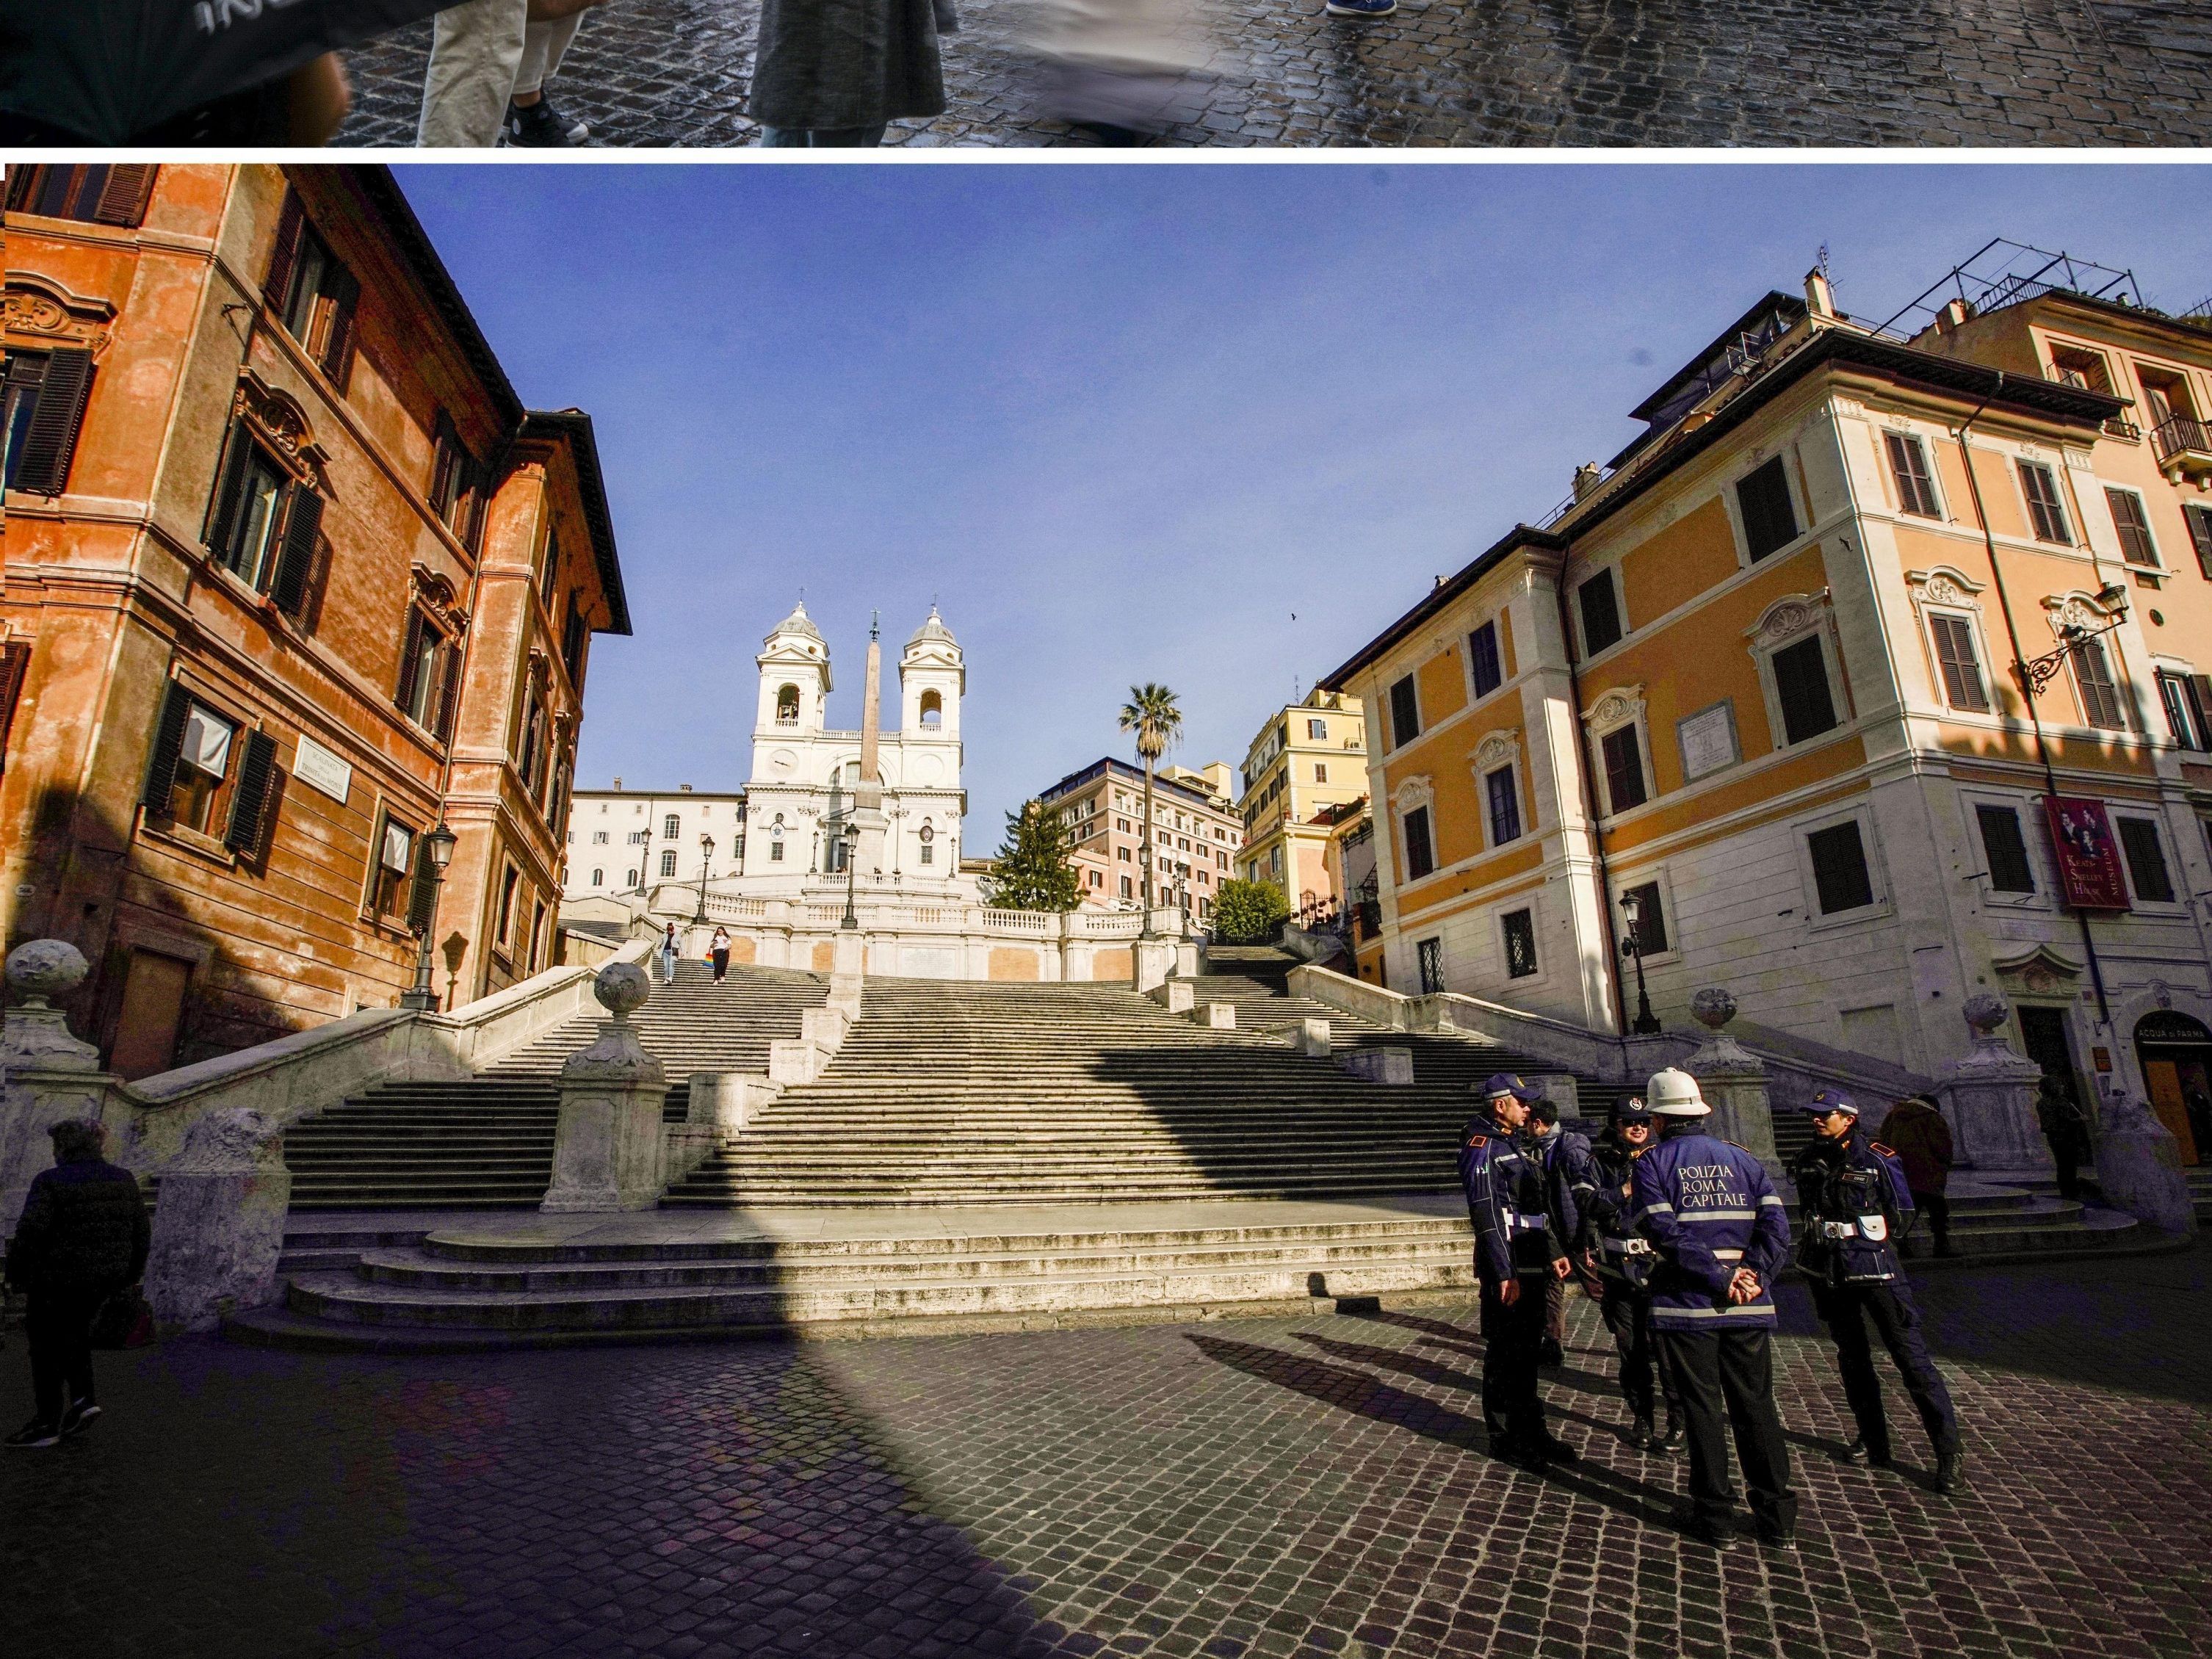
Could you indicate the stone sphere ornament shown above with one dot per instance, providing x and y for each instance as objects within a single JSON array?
[
  {"x": 1713, "y": 1008},
  {"x": 621, "y": 988},
  {"x": 43, "y": 969},
  {"x": 1984, "y": 1013}
]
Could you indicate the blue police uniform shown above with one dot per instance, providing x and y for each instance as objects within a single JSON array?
[
  {"x": 1624, "y": 1261},
  {"x": 1853, "y": 1204},
  {"x": 1708, "y": 1210},
  {"x": 1514, "y": 1241}
]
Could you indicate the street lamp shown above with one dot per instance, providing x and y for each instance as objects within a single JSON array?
[
  {"x": 1646, "y": 1022},
  {"x": 2039, "y": 672},
  {"x": 437, "y": 853},
  {"x": 852, "y": 834},
  {"x": 705, "y": 857}
]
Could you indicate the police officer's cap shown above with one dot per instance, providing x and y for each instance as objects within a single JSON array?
[
  {"x": 1505, "y": 1082},
  {"x": 1832, "y": 1100},
  {"x": 1631, "y": 1109}
]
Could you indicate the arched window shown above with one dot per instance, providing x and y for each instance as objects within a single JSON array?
[
  {"x": 928, "y": 845},
  {"x": 670, "y": 827},
  {"x": 599, "y": 877},
  {"x": 629, "y": 877},
  {"x": 933, "y": 708},
  {"x": 787, "y": 705},
  {"x": 775, "y": 840},
  {"x": 668, "y": 862}
]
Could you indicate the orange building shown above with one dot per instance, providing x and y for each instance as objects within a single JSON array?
[
  {"x": 291, "y": 576},
  {"x": 1799, "y": 674},
  {"x": 1195, "y": 829}
]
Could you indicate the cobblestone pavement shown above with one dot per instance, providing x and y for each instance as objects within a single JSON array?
[
  {"x": 1570, "y": 72},
  {"x": 1309, "y": 1487}
]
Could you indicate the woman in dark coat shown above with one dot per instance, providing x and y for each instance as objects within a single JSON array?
[{"x": 833, "y": 74}]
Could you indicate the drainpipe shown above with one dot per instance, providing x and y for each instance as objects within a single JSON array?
[
  {"x": 1587, "y": 777},
  {"x": 2028, "y": 694}
]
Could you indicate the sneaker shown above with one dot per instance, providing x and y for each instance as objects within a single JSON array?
[
  {"x": 572, "y": 129},
  {"x": 1708, "y": 1531},
  {"x": 1947, "y": 1473},
  {"x": 1361, "y": 7},
  {"x": 1857, "y": 1451},
  {"x": 1640, "y": 1436},
  {"x": 537, "y": 127},
  {"x": 1673, "y": 1441},
  {"x": 36, "y": 1433},
  {"x": 1779, "y": 1538},
  {"x": 1550, "y": 1354},
  {"x": 1556, "y": 1450},
  {"x": 78, "y": 1416}
]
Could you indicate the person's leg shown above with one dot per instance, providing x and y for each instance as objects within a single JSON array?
[
  {"x": 76, "y": 1344},
  {"x": 850, "y": 137},
  {"x": 786, "y": 138},
  {"x": 1617, "y": 1308},
  {"x": 1898, "y": 1321},
  {"x": 1524, "y": 1404},
  {"x": 475, "y": 49},
  {"x": 1555, "y": 1321},
  {"x": 1843, "y": 1309},
  {"x": 44, "y": 1333},
  {"x": 1746, "y": 1364},
  {"x": 544, "y": 47},
  {"x": 1671, "y": 1439},
  {"x": 1695, "y": 1357},
  {"x": 1495, "y": 1366}
]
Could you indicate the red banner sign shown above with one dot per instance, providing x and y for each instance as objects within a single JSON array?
[{"x": 2088, "y": 855}]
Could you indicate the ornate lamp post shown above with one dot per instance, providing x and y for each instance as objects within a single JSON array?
[
  {"x": 852, "y": 835},
  {"x": 2039, "y": 672},
  {"x": 437, "y": 853},
  {"x": 705, "y": 858},
  {"x": 1646, "y": 1022}
]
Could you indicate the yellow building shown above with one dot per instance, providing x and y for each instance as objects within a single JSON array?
[
  {"x": 1769, "y": 674},
  {"x": 1307, "y": 761}
]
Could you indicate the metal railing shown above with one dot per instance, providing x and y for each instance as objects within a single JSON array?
[{"x": 2179, "y": 434}]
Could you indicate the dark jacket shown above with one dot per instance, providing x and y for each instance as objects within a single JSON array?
[
  {"x": 1922, "y": 1140},
  {"x": 1505, "y": 1202},
  {"x": 1853, "y": 1205},
  {"x": 1708, "y": 1208},
  {"x": 1568, "y": 1178},
  {"x": 1607, "y": 1230},
  {"x": 845, "y": 64},
  {"x": 83, "y": 1231}
]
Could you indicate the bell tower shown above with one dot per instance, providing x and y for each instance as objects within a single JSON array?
[
  {"x": 794, "y": 679},
  {"x": 933, "y": 679}
]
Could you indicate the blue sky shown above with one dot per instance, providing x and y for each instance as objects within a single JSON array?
[{"x": 1213, "y": 425}]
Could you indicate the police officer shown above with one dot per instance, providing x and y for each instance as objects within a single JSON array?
[
  {"x": 1721, "y": 1235},
  {"x": 1853, "y": 1203},
  {"x": 1516, "y": 1250},
  {"x": 1564, "y": 1155},
  {"x": 1620, "y": 1261}
]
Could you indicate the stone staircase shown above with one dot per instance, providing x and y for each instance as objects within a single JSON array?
[{"x": 487, "y": 1142}]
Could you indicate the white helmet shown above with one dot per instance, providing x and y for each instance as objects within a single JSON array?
[{"x": 1674, "y": 1093}]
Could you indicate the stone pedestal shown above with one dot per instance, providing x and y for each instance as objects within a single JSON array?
[
  {"x": 1733, "y": 1080},
  {"x": 609, "y": 1152},
  {"x": 2139, "y": 1168},
  {"x": 1215, "y": 1015},
  {"x": 1176, "y": 995},
  {"x": 1154, "y": 960},
  {"x": 1390, "y": 1066},
  {"x": 1989, "y": 1099},
  {"x": 46, "y": 1076},
  {"x": 1310, "y": 1038},
  {"x": 219, "y": 1228},
  {"x": 1186, "y": 960},
  {"x": 845, "y": 993},
  {"x": 848, "y": 955},
  {"x": 725, "y": 1101}
]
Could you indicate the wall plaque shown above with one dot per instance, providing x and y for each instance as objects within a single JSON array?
[
  {"x": 1708, "y": 740},
  {"x": 318, "y": 768}
]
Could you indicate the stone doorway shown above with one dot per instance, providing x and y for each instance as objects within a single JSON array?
[
  {"x": 2044, "y": 1039},
  {"x": 2176, "y": 1054}
]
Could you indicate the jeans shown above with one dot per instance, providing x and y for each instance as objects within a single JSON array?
[
  {"x": 667, "y": 960},
  {"x": 822, "y": 137},
  {"x": 1731, "y": 1374},
  {"x": 1512, "y": 1336},
  {"x": 1849, "y": 1310},
  {"x": 59, "y": 1330}
]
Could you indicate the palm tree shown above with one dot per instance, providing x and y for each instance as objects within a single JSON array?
[{"x": 1152, "y": 713}]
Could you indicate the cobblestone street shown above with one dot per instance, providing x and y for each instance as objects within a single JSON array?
[
  {"x": 1262, "y": 1487},
  {"x": 1570, "y": 72}
]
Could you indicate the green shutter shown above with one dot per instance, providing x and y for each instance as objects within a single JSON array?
[
  {"x": 295, "y": 559},
  {"x": 249, "y": 805},
  {"x": 423, "y": 895},
  {"x": 168, "y": 744},
  {"x": 286, "y": 255},
  {"x": 51, "y": 438},
  {"x": 15, "y": 667}
]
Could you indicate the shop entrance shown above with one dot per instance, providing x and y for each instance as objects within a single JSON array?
[
  {"x": 2176, "y": 1052},
  {"x": 2043, "y": 1039}
]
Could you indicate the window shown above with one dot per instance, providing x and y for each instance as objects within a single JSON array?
[
  {"x": 2093, "y": 679},
  {"x": 392, "y": 883},
  {"x": 1650, "y": 918},
  {"x": 1429, "y": 954},
  {"x": 1317, "y": 731},
  {"x": 1954, "y": 655},
  {"x": 2044, "y": 509},
  {"x": 266, "y": 525},
  {"x": 1624, "y": 768},
  {"x": 1908, "y": 465},
  {"x": 787, "y": 705},
  {"x": 1482, "y": 659},
  {"x": 1601, "y": 613},
  {"x": 2004, "y": 850},
  {"x": 775, "y": 840},
  {"x": 599, "y": 838},
  {"x": 668, "y": 862},
  {"x": 549, "y": 575},
  {"x": 1420, "y": 857},
  {"x": 1840, "y": 868},
  {"x": 203, "y": 762},
  {"x": 45, "y": 393},
  {"x": 2199, "y": 520},
  {"x": 1126, "y": 890},
  {"x": 455, "y": 488},
  {"x": 15, "y": 667},
  {"x": 507, "y": 884},
  {"x": 2129, "y": 518},
  {"x": 1123, "y": 853},
  {"x": 1405, "y": 713},
  {"x": 537, "y": 934},
  {"x": 313, "y": 294},
  {"x": 928, "y": 845},
  {"x": 249, "y": 541},
  {"x": 2146, "y": 858},
  {"x": 1800, "y": 685},
  {"x": 2076, "y": 366},
  {"x": 90, "y": 194},
  {"x": 1504, "y": 805},
  {"x": 574, "y": 632},
  {"x": 1320, "y": 771},
  {"x": 1769, "y": 520},
  {"x": 670, "y": 827},
  {"x": 932, "y": 708},
  {"x": 429, "y": 675},
  {"x": 1519, "y": 928},
  {"x": 598, "y": 877},
  {"x": 2187, "y": 699}
]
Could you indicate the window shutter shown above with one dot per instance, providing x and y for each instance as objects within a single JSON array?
[
  {"x": 423, "y": 892},
  {"x": 229, "y": 478},
  {"x": 1405, "y": 713},
  {"x": 168, "y": 744},
  {"x": 1482, "y": 658},
  {"x": 251, "y": 803},
  {"x": 1601, "y": 613},
  {"x": 342, "y": 289},
  {"x": 410, "y": 657},
  {"x": 295, "y": 561},
  {"x": 2146, "y": 858},
  {"x": 1962, "y": 674},
  {"x": 2199, "y": 519},
  {"x": 2200, "y": 683},
  {"x": 22, "y": 187},
  {"x": 1800, "y": 685},
  {"x": 2007, "y": 852},
  {"x": 123, "y": 198},
  {"x": 51, "y": 438},
  {"x": 1840, "y": 868},
  {"x": 14, "y": 666},
  {"x": 277, "y": 290},
  {"x": 449, "y": 694},
  {"x": 1624, "y": 768}
]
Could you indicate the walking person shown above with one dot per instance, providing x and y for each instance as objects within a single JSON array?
[
  {"x": 834, "y": 74},
  {"x": 82, "y": 1237},
  {"x": 1564, "y": 1155},
  {"x": 1916, "y": 1132},
  {"x": 532, "y": 122},
  {"x": 1621, "y": 1262},
  {"x": 720, "y": 950},
  {"x": 1721, "y": 1235},
  {"x": 2067, "y": 1131},
  {"x": 1515, "y": 1251},
  {"x": 475, "y": 86},
  {"x": 1853, "y": 1199},
  {"x": 670, "y": 952}
]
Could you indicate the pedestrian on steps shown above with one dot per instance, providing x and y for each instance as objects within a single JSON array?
[
  {"x": 720, "y": 953},
  {"x": 668, "y": 953},
  {"x": 1916, "y": 1132}
]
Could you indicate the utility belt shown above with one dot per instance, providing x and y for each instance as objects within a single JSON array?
[
  {"x": 1517, "y": 1223},
  {"x": 1875, "y": 1229},
  {"x": 1626, "y": 1246}
]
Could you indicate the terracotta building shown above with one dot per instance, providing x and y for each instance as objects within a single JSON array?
[
  {"x": 1306, "y": 762},
  {"x": 1195, "y": 831},
  {"x": 290, "y": 576},
  {"x": 1870, "y": 676}
]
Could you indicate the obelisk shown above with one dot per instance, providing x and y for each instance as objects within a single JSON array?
[{"x": 868, "y": 794}]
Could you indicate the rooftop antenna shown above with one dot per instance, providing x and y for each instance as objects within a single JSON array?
[
  {"x": 1821, "y": 264},
  {"x": 875, "y": 624}
]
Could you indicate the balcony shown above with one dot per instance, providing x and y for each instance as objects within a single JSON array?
[{"x": 2184, "y": 446}]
